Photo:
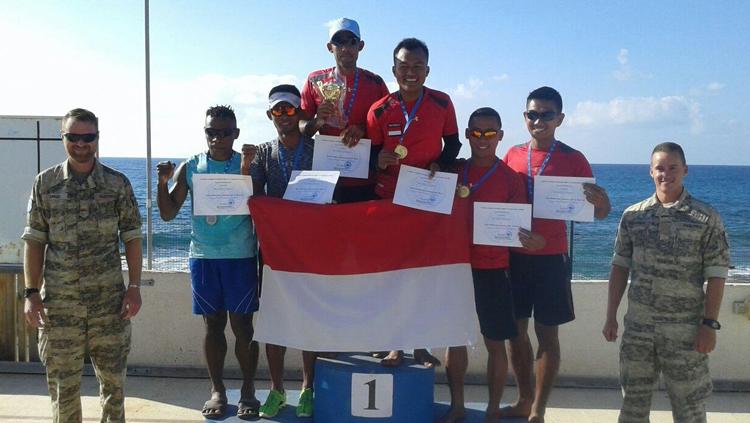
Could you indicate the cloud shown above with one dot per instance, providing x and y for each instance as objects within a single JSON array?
[
  {"x": 623, "y": 73},
  {"x": 639, "y": 111},
  {"x": 501, "y": 78},
  {"x": 622, "y": 56},
  {"x": 469, "y": 89},
  {"x": 715, "y": 86}
]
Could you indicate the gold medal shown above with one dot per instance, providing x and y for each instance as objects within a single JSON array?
[
  {"x": 463, "y": 191},
  {"x": 401, "y": 151}
]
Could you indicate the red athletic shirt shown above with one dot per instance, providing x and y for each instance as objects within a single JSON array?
[
  {"x": 505, "y": 185},
  {"x": 435, "y": 119},
  {"x": 370, "y": 89},
  {"x": 565, "y": 161}
]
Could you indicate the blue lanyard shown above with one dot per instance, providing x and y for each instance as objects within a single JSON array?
[
  {"x": 474, "y": 187},
  {"x": 297, "y": 156},
  {"x": 409, "y": 116},
  {"x": 529, "y": 178},
  {"x": 349, "y": 107}
]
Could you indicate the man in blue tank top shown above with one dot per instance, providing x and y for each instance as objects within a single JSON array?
[{"x": 223, "y": 266}]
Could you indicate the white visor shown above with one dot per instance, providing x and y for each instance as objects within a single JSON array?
[{"x": 279, "y": 97}]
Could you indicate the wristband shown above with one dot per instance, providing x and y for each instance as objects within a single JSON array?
[
  {"x": 134, "y": 285},
  {"x": 27, "y": 292}
]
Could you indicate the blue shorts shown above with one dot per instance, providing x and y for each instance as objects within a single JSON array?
[
  {"x": 224, "y": 285},
  {"x": 542, "y": 284}
]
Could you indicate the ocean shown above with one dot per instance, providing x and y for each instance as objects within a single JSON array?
[{"x": 726, "y": 188}]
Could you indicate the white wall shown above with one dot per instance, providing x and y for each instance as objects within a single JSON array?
[
  {"x": 167, "y": 334},
  {"x": 18, "y": 161}
]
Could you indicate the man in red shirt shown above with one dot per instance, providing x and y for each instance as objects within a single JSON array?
[
  {"x": 415, "y": 126},
  {"x": 541, "y": 278},
  {"x": 346, "y": 117},
  {"x": 486, "y": 178}
]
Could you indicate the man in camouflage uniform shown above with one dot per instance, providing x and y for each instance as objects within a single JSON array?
[
  {"x": 78, "y": 212},
  {"x": 669, "y": 244}
]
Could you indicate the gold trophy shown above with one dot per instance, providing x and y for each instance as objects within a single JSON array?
[{"x": 332, "y": 91}]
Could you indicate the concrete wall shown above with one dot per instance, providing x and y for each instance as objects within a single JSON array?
[{"x": 167, "y": 335}]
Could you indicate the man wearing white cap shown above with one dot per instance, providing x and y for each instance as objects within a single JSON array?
[
  {"x": 345, "y": 116},
  {"x": 270, "y": 165}
]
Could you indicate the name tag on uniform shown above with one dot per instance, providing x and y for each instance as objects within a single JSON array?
[{"x": 394, "y": 129}]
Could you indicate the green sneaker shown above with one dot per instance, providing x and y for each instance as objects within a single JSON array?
[
  {"x": 273, "y": 404},
  {"x": 305, "y": 407}
]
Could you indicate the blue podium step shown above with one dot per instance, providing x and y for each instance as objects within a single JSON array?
[
  {"x": 355, "y": 388},
  {"x": 411, "y": 392}
]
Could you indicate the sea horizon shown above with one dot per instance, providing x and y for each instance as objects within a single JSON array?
[{"x": 625, "y": 183}]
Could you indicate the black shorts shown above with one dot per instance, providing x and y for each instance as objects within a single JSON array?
[
  {"x": 494, "y": 303},
  {"x": 542, "y": 284},
  {"x": 354, "y": 194}
]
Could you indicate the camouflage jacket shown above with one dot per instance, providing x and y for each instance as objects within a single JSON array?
[
  {"x": 81, "y": 223},
  {"x": 670, "y": 252}
]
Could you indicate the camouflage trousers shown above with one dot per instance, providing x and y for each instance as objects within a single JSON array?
[
  {"x": 69, "y": 333},
  {"x": 667, "y": 348}
]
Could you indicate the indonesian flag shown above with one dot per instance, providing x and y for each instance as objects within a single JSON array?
[{"x": 367, "y": 276}]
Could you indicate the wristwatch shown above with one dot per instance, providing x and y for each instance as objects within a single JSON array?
[
  {"x": 713, "y": 324},
  {"x": 27, "y": 292}
]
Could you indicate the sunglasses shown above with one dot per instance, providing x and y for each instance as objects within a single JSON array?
[
  {"x": 486, "y": 134},
  {"x": 544, "y": 116},
  {"x": 218, "y": 133},
  {"x": 87, "y": 138},
  {"x": 345, "y": 42},
  {"x": 281, "y": 111}
]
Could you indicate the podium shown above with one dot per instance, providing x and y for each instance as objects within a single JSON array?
[{"x": 355, "y": 388}]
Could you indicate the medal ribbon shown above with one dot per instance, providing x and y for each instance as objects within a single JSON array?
[
  {"x": 474, "y": 187},
  {"x": 297, "y": 156},
  {"x": 350, "y": 106},
  {"x": 529, "y": 178},
  {"x": 409, "y": 116}
]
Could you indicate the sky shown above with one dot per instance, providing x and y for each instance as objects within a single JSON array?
[{"x": 632, "y": 74}]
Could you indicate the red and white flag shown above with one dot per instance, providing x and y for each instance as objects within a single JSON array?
[{"x": 367, "y": 276}]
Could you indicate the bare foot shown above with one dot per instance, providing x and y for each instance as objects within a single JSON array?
[
  {"x": 521, "y": 408},
  {"x": 454, "y": 415},
  {"x": 423, "y": 357},
  {"x": 492, "y": 416},
  {"x": 536, "y": 419},
  {"x": 393, "y": 359}
]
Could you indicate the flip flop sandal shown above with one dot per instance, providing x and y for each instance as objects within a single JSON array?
[
  {"x": 248, "y": 409},
  {"x": 214, "y": 408}
]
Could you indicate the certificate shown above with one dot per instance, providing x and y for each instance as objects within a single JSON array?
[
  {"x": 312, "y": 186},
  {"x": 221, "y": 194},
  {"x": 562, "y": 198},
  {"x": 331, "y": 154},
  {"x": 415, "y": 189},
  {"x": 498, "y": 223}
]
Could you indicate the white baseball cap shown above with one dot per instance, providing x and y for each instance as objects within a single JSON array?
[{"x": 343, "y": 24}]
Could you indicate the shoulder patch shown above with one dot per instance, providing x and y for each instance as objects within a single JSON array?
[
  {"x": 380, "y": 109},
  {"x": 442, "y": 102}
]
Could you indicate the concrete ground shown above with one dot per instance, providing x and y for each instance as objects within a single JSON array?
[{"x": 23, "y": 399}]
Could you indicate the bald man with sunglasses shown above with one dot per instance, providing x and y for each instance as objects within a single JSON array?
[{"x": 347, "y": 116}]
